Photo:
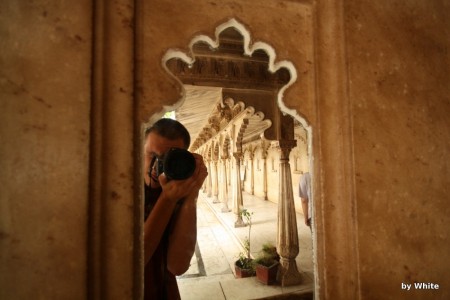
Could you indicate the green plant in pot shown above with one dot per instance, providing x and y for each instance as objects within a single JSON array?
[
  {"x": 267, "y": 263},
  {"x": 244, "y": 266}
]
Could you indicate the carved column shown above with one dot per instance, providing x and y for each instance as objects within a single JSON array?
[
  {"x": 205, "y": 184},
  {"x": 229, "y": 168},
  {"x": 287, "y": 240},
  {"x": 224, "y": 186},
  {"x": 204, "y": 187},
  {"x": 208, "y": 179},
  {"x": 237, "y": 197},
  {"x": 215, "y": 183},
  {"x": 252, "y": 181},
  {"x": 264, "y": 160}
]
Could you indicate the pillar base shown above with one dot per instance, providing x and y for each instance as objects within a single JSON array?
[
  {"x": 239, "y": 223},
  {"x": 215, "y": 200},
  {"x": 288, "y": 273},
  {"x": 225, "y": 209}
]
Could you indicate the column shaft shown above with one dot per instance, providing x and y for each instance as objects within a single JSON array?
[
  {"x": 224, "y": 187},
  {"x": 287, "y": 242},
  {"x": 237, "y": 197},
  {"x": 208, "y": 180},
  {"x": 215, "y": 183}
]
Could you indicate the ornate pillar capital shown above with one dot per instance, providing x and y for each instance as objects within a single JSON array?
[
  {"x": 285, "y": 147},
  {"x": 237, "y": 155},
  {"x": 264, "y": 144}
]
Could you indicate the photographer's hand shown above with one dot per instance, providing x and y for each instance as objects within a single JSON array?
[
  {"x": 174, "y": 190},
  {"x": 184, "y": 234}
]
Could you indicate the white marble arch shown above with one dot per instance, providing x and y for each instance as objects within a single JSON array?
[{"x": 240, "y": 125}]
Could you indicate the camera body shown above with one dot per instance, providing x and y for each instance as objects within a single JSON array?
[{"x": 176, "y": 164}]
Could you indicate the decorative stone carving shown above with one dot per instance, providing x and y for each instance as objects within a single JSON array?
[
  {"x": 228, "y": 63},
  {"x": 215, "y": 71},
  {"x": 287, "y": 240},
  {"x": 237, "y": 197}
]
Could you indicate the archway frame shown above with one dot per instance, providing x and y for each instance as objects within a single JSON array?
[
  {"x": 114, "y": 268},
  {"x": 287, "y": 239}
]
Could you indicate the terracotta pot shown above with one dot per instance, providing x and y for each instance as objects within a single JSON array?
[
  {"x": 242, "y": 273},
  {"x": 267, "y": 275}
]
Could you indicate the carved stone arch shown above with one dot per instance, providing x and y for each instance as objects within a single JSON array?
[
  {"x": 239, "y": 135},
  {"x": 246, "y": 152},
  {"x": 263, "y": 145},
  {"x": 303, "y": 138},
  {"x": 237, "y": 108},
  {"x": 250, "y": 148},
  {"x": 275, "y": 77},
  {"x": 257, "y": 149},
  {"x": 215, "y": 125},
  {"x": 246, "y": 148},
  {"x": 226, "y": 113},
  {"x": 294, "y": 158},
  {"x": 247, "y": 157},
  {"x": 229, "y": 103}
]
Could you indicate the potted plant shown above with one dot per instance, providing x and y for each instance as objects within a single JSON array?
[
  {"x": 266, "y": 264},
  {"x": 244, "y": 266}
]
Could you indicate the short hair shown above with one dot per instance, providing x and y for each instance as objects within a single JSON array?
[{"x": 171, "y": 130}]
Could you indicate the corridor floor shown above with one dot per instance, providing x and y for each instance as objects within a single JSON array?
[{"x": 211, "y": 275}]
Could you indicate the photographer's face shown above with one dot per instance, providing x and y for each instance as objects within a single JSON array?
[{"x": 157, "y": 146}]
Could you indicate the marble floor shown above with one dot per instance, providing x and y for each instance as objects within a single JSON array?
[{"x": 211, "y": 275}]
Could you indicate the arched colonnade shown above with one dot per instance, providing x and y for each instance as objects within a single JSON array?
[{"x": 239, "y": 157}]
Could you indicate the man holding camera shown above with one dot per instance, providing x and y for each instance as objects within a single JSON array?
[{"x": 170, "y": 228}]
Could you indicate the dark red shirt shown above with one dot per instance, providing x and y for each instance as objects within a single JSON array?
[{"x": 159, "y": 283}]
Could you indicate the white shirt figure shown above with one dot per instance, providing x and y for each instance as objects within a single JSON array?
[{"x": 304, "y": 191}]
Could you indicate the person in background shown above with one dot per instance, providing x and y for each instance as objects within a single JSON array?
[
  {"x": 170, "y": 228},
  {"x": 304, "y": 191}
]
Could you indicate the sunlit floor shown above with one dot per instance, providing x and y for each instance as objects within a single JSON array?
[{"x": 211, "y": 275}]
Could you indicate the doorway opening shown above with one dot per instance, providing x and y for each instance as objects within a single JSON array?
[{"x": 256, "y": 149}]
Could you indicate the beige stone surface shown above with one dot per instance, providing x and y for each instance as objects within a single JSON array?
[
  {"x": 373, "y": 84},
  {"x": 158, "y": 33},
  {"x": 45, "y": 58},
  {"x": 399, "y": 72}
]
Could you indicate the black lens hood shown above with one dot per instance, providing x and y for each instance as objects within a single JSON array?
[{"x": 179, "y": 164}]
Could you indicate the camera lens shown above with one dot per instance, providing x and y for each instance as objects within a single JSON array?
[{"x": 179, "y": 164}]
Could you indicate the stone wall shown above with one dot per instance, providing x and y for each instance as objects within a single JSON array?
[
  {"x": 373, "y": 85},
  {"x": 45, "y": 98},
  {"x": 399, "y": 62}
]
